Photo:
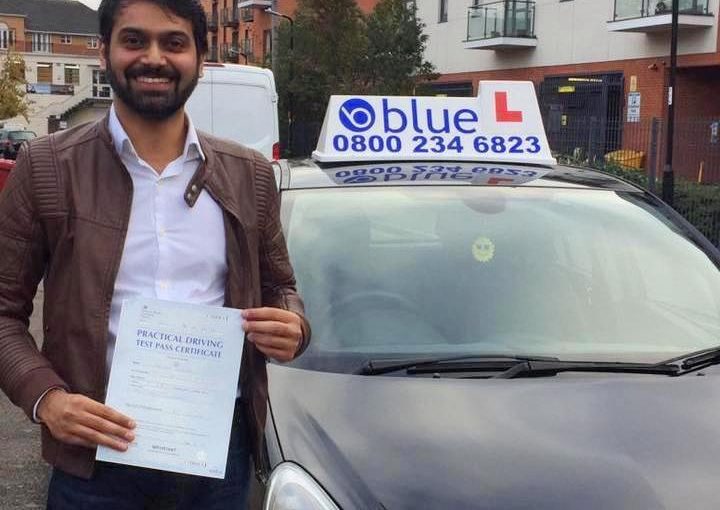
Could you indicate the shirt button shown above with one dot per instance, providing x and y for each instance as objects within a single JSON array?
[{"x": 194, "y": 188}]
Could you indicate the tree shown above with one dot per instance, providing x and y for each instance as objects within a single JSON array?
[
  {"x": 337, "y": 50},
  {"x": 396, "y": 49},
  {"x": 13, "y": 100},
  {"x": 329, "y": 45}
]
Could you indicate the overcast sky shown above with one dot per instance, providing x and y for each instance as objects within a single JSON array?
[{"x": 91, "y": 3}]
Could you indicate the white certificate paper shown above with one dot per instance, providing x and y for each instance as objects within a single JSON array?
[{"x": 175, "y": 372}]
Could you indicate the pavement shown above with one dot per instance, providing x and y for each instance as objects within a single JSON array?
[{"x": 23, "y": 473}]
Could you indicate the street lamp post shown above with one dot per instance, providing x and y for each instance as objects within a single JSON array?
[
  {"x": 668, "y": 173},
  {"x": 291, "y": 75}
]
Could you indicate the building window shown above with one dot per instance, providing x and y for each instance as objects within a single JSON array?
[
  {"x": 40, "y": 43},
  {"x": 72, "y": 74},
  {"x": 65, "y": 39},
  {"x": 267, "y": 43},
  {"x": 7, "y": 37},
  {"x": 93, "y": 43},
  {"x": 443, "y": 11},
  {"x": 44, "y": 73}
]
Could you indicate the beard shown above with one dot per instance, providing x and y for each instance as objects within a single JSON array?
[{"x": 152, "y": 105}]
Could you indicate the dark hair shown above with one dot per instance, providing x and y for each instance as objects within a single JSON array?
[{"x": 190, "y": 10}]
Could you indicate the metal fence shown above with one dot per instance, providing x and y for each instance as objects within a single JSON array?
[{"x": 636, "y": 151}]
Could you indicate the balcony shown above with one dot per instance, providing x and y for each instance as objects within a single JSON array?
[
  {"x": 255, "y": 3},
  {"x": 247, "y": 14},
  {"x": 501, "y": 25},
  {"x": 231, "y": 17},
  {"x": 231, "y": 53},
  {"x": 213, "y": 21},
  {"x": 656, "y": 15}
]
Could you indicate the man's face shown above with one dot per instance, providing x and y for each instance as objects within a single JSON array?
[{"x": 151, "y": 60}]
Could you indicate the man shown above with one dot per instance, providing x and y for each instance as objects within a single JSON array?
[{"x": 138, "y": 204}]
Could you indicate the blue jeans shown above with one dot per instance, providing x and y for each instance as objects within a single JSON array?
[{"x": 118, "y": 487}]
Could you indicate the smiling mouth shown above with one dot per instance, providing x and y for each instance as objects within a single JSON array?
[{"x": 146, "y": 79}]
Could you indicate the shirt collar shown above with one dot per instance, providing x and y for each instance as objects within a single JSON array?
[{"x": 124, "y": 146}]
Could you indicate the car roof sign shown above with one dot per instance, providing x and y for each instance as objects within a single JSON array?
[{"x": 502, "y": 124}]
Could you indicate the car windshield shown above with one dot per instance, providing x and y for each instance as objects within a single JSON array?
[
  {"x": 21, "y": 135},
  {"x": 572, "y": 273}
]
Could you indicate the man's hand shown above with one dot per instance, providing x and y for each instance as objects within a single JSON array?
[
  {"x": 275, "y": 332},
  {"x": 78, "y": 420}
]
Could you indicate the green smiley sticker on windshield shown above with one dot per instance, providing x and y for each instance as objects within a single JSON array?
[{"x": 483, "y": 249}]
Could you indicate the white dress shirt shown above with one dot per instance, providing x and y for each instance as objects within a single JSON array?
[{"x": 172, "y": 251}]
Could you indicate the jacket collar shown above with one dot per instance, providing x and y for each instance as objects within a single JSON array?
[{"x": 202, "y": 174}]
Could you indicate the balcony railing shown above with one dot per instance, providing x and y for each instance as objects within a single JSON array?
[
  {"x": 231, "y": 53},
  {"x": 501, "y": 24},
  {"x": 628, "y": 9},
  {"x": 247, "y": 14},
  {"x": 213, "y": 21},
  {"x": 48, "y": 48},
  {"x": 246, "y": 47},
  {"x": 231, "y": 17},
  {"x": 656, "y": 15}
]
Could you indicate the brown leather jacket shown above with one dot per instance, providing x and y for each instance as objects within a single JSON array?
[{"x": 63, "y": 218}]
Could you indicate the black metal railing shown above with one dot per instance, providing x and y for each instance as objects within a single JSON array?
[
  {"x": 247, "y": 14},
  {"x": 246, "y": 46},
  {"x": 213, "y": 21},
  {"x": 504, "y": 18},
  {"x": 231, "y": 53},
  {"x": 231, "y": 17},
  {"x": 629, "y": 9},
  {"x": 213, "y": 53}
]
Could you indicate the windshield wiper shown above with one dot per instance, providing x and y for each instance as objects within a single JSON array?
[
  {"x": 694, "y": 360},
  {"x": 455, "y": 363},
  {"x": 549, "y": 368},
  {"x": 510, "y": 367}
]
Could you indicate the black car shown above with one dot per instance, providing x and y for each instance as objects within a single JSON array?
[
  {"x": 11, "y": 140},
  {"x": 494, "y": 336}
]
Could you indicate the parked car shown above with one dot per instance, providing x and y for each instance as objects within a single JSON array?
[
  {"x": 488, "y": 334},
  {"x": 11, "y": 140}
]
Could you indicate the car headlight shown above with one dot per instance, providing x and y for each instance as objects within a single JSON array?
[{"x": 291, "y": 488}]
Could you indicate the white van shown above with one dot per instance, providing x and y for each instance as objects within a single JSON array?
[{"x": 239, "y": 103}]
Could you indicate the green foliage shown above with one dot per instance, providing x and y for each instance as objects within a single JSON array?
[
  {"x": 396, "y": 49},
  {"x": 13, "y": 100},
  {"x": 337, "y": 50}
]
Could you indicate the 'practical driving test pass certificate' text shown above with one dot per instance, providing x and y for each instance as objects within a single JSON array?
[{"x": 175, "y": 372}]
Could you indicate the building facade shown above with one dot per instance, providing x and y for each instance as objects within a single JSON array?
[
  {"x": 600, "y": 67},
  {"x": 58, "y": 40}
]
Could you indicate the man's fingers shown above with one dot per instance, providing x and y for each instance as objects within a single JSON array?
[
  {"x": 109, "y": 414},
  {"x": 93, "y": 437},
  {"x": 104, "y": 426},
  {"x": 270, "y": 314},
  {"x": 271, "y": 328},
  {"x": 272, "y": 342},
  {"x": 277, "y": 354}
]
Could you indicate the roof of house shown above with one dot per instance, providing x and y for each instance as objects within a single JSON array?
[{"x": 59, "y": 16}]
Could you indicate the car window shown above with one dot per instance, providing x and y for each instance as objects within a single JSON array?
[{"x": 571, "y": 273}]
